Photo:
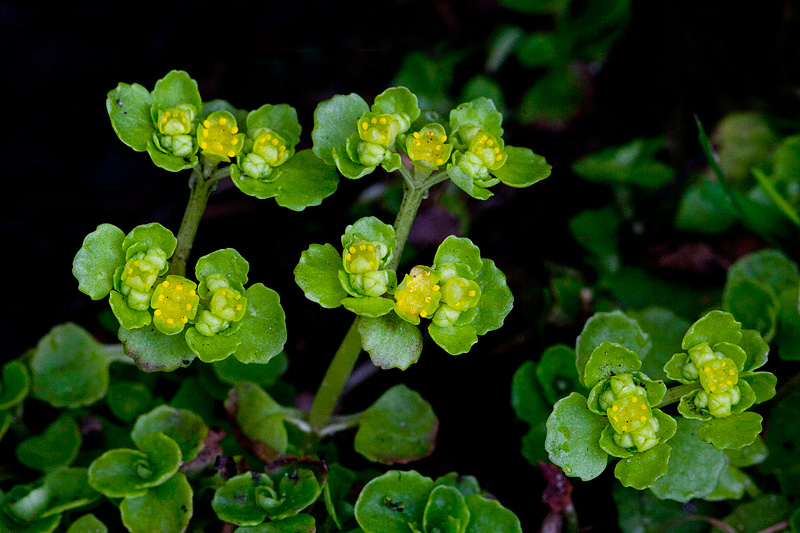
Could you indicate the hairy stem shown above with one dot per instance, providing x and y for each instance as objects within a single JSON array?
[
  {"x": 675, "y": 393},
  {"x": 201, "y": 185}
]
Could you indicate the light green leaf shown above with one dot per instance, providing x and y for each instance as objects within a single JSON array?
[
  {"x": 368, "y": 307},
  {"x": 480, "y": 112},
  {"x": 609, "y": 359},
  {"x": 614, "y": 327},
  {"x": 334, "y": 121},
  {"x": 88, "y": 523},
  {"x": 97, "y": 260},
  {"x": 176, "y": 88},
  {"x": 454, "y": 340},
  {"x": 641, "y": 470},
  {"x": 522, "y": 168},
  {"x": 181, "y": 425},
  {"x": 393, "y": 503},
  {"x": 235, "y": 501},
  {"x": 128, "y": 108},
  {"x": 167, "y": 507},
  {"x": 154, "y": 351},
  {"x": 262, "y": 331},
  {"x": 280, "y": 118},
  {"x": 390, "y": 341},
  {"x": 573, "y": 436},
  {"x": 713, "y": 327},
  {"x": 397, "y": 100},
  {"x": 446, "y": 511},
  {"x": 317, "y": 274}
]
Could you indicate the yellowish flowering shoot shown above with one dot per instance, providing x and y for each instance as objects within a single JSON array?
[
  {"x": 175, "y": 126},
  {"x": 428, "y": 148},
  {"x": 174, "y": 302},
  {"x": 269, "y": 150},
  {"x": 138, "y": 276},
  {"x": 629, "y": 414},
  {"x": 718, "y": 375},
  {"x": 418, "y": 295},
  {"x": 226, "y": 304},
  {"x": 218, "y": 136},
  {"x": 458, "y": 295}
]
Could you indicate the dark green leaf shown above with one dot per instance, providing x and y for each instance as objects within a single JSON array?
[
  {"x": 556, "y": 372},
  {"x": 393, "y": 502},
  {"x": 734, "y": 431},
  {"x": 754, "y": 304},
  {"x": 235, "y": 501},
  {"x": 232, "y": 371},
  {"x": 88, "y": 523},
  {"x": 573, "y": 436},
  {"x": 15, "y": 385},
  {"x": 759, "y": 514},
  {"x": 488, "y": 516},
  {"x": 788, "y": 337},
  {"x": 260, "y": 419},
  {"x": 665, "y": 330},
  {"x": 527, "y": 395},
  {"x": 609, "y": 359},
  {"x": 57, "y": 446},
  {"x": 614, "y": 327},
  {"x": 154, "y": 351},
  {"x": 713, "y": 327},
  {"x": 181, "y": 425},
  {"x": 128, "y": 399},
  {"x": 446, "y": 511},
  {"x": 167, "y": 507},
  {"x": 390, "y": 341},
  {"x": 633, "y": 164},
  {"x": 705, "y": 208},
  {"x": 317, "y": 274},
  {"x": 301, "y": 523}
]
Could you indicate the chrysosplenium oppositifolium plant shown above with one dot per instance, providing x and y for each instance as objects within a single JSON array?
[{"x": 228, "y": 445}]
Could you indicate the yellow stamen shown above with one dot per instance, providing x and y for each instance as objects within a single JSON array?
[
  {"x": 435, "y": 288},
  {"x": 170, "y": 321},
  {"x": 206, "y": 123},
  {"x": 634, "y": 399},
  {"x": 166, "y": 283},
  {"x": 423, "y": 314},
  {"x": 234, "y": 130},
  {"x": 471, "y": 293},
  {"x": 234, "y": 141},
  {"x": 223, "y": 121},
  {"x": 443, "y": 138},
  {"x": 231, "y": 153},
  {"x": 157, "y": 312},
  {"x": 160, "y": 297}
]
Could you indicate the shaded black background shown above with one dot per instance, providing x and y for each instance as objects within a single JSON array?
[{"x": 64, "y": 171}]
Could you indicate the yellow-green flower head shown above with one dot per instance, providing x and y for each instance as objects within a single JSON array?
[
  {"x": 429, "y": 145},
  {"x": 485, "y": 152},
  {"x": 269, "y": 150},
  {"x": 380, "y": 128},
  {"x": 460, "y": 293},
  {"x": 219, "y": 136},
  {"x": 138, "y": 276},
  {"x": 176, "y": 120},
  {"x": 418, "y": 295},
  {"x": 718, "y": 404},
  {"x": 629, "y": 413},
  {"x": 174, "y": 302},
  {"x": 362, "y": 257}
]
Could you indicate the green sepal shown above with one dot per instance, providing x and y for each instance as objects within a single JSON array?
[
  {"x": 573, "y": 436},
  {"x": 235, "y": 501},
  {"x": 153, "y": 351},
  {"x": 15, "y": 385},
  {"x": 714, "y": 327},
  {"x": 523, "y": 168},
  {"x": 556, "y": 372},
  {"x": 397, "y": 100},
  {"x": 614, "y": 327},
  {"x": 488, "y": 515},
  {"x": 609, "y": 445},
  {"x": 88, "y": 523},
  {"x": 609, "y": 359},
  {"x": 127, "y": 317},
  {"x": 370, "y": 229},
  {"x": 368, "y": 306},
  {"x": 298, "y": 183},
  {"x": 97, "y": 261},
  {"x": 181, "y": 425},
  {"x": 393, "y": 502},
  {"x": 57, "y": 446},
  {"x": 123, "y": 472},
  {"x": 317, "y": 274},
  {"x": 68, "y": 368},
  {"x": 167, "y": 507},
  {"x": 694, "y": 466},
  {"x": 334, "y": 121},
  {"x": 688, "y": 409},
  {"x": 145, "y": 236},
  {"x": 756, "y": 349},
  {"x": 392, "y": 163},
  {"x": 455, "y": 340},
  {"x": 398, "y": 428},
  {"x": 262, "y": 331},
  {"x": 259, "y": 417},
  {"x": 128, "y": 399},
  {"x": 732, "y": 432},
  {"x": 446, "y": 511},
  {"x": 210, "y": 349},
  {"x": 464, "y": 181},
  {"x": 390, "y": 341},
  {"x": 280, "y": 118},
  {"x": 480, "y": 113},
  {"x": 128, "y": 108},
  {"x": 461, "y": 252},
  {"x": 301, "y": 523},
  {"x": 227, "y": 262},
  {"x": 754, "y": 304},
  {"x": 643, "y": 469},
  {"x": 762, "y": 383}
]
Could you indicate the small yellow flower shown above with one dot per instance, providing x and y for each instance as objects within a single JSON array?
[
  {"x": 175, "y": 303},
  {"x": 429, "y": 145},
  {"x": 219, "y": 136},
  {"x": 418, "y": 295}
]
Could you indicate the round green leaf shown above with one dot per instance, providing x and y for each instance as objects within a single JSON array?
[
  {"x": 390, "y": 341},
  {"x": 454, "y": 340},
  {"x": 496, "y": 299},
  {"x": 762, "y": 383},
  {"x": 152, "y": 235},
  {"x": 556, "y": 372},
  {"x": 334, "y": 121},
  {"x": 128, "y": 108},
  {"x": 397, "y": 100},
  {"x": 128, "y": 318},
  {"x": 370, "y": 229},
  {"x": 446, "y": 511},
  {"x": 281, "y": 118},
  {"x": 754, "y": 304},
  {"x": 368, "y": 306},
  {"x": 614, "y": 327},
  {"x": 88, "y": 523},
  {"x": 573, "y": 436},
  {"x": 294, "y": 491},
  {"x": 641, "y": 470},
  {"x": 400, "y": 427},
  {"x": 68, "y": 368},
  {"x": 123, "y": 472},
  {"x": 262, "y": 331},
  {"x": 730, "y": 486},
  {"x": 714, "y": 327},
  {"x": 465, "y": 182},
  {"x": 154, "y": 351},
  {"x": 128, "y": 399},
  {"x": 67, "y": 488},
  {"x": 522, "y": 168},
  {"x": 235, "y": 501},
  {"x": 227, "y": 262},
  {"x": 232, "y": 371},
  {"x": 317, "y": 274},
  {"x": 259, "y": 417},
  {"x": 770, "y": 267},
  {"x": 15, "y": 385},
  {"x": 609, "y": 359},
  {"x": 480, "y": 112},
  {"x": 212, "y": 348},
  {"x": 732, "y": 432},
  {"x": 705, "y": 208},
  {"x": 181, "y": 425},
  {"x": 459, "y": 251},
  {"x": 167, "y": 507},
  {"x": 57, "y": 446},
  {"x": 393, "y": 503},
  {"x": 752, "y": 454},
  {"x": 97, "y": 260},
  {"x": 527, "y": 396},
  {"x": 488, "y": 516},
  {"x": 176, "y": 88},
  {"x": 694, "y": 466}
]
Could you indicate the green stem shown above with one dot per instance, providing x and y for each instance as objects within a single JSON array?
[
  {"x": 115, "y": 353},
  {"x": 201, "y": 185},
  {"x": 412, "y": 198},
  {"x": 330, "y": 389},
  {"x": 675, "y": 393}
]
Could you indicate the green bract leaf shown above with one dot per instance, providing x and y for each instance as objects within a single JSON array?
[
  {"x": 370, "y": 229},
  {"x": 614, "y": 327},
  {"x": 167, "y": 507},
  {"x": 122, "y": 472},
  {"x": 762, "y": 383},
  {"x": 227, "y": 262},
  {"x": 633, "y": 163},
  {"x": 397, "y": 100},
  {"x": 465, "y": 182},
  {"x": 128, "y": 108},
  {"x": 713, "y": 328},
  {"x": 97, "y": 260},
  {"x": 15, "y": 385},
  {"x": 128, "y": 399},
  {"x": 176, "y": 88},
  {"x": 281, "y": 118},
  {"x": 236, "y": 502},
  {"x": 393, "y": 503},
  {"x": 609, "y": 359},
  {"x": 694, "y": 466},
  {"x": 754, "y": 304},
  {"x": 461, "y": 252},
  {"x": 181, "y": 425},
  {"x": 88, "y": 523},
  {"x": 496, "y": 299},
  {"x": 480, "y": 113},
  {"x": 154, "y": 351},
  {"x": 400, "y": 427},
  {"x": 522, "y": 168},
  {"x": 454, "y": 340},
  {"x": 317, "y": 274},
  {"x": 556, "y": 372},
  {"x": 69, "y": 368},
  {"x": 734, "y": 431},
  {"x": 232, "y": 371},
  {"x": 334, "y": 121},
  {"x": 211, "y": 349},
  {"x": 57, "y": 446},
  {"x": 262, "y": 331},
  {"x": 368, "y": 307},
  {"x": 260, "y": 419},
  {"x": 573, "y": 436},
  {"x": 488, "y": 515},
  {"x": 446, "y": 511},
  {"x": 641, "y": 470},
  {"x": 390, "y": 341}
]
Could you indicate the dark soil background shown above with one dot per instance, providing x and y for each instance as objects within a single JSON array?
[{"x": 65, "y": 171}]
